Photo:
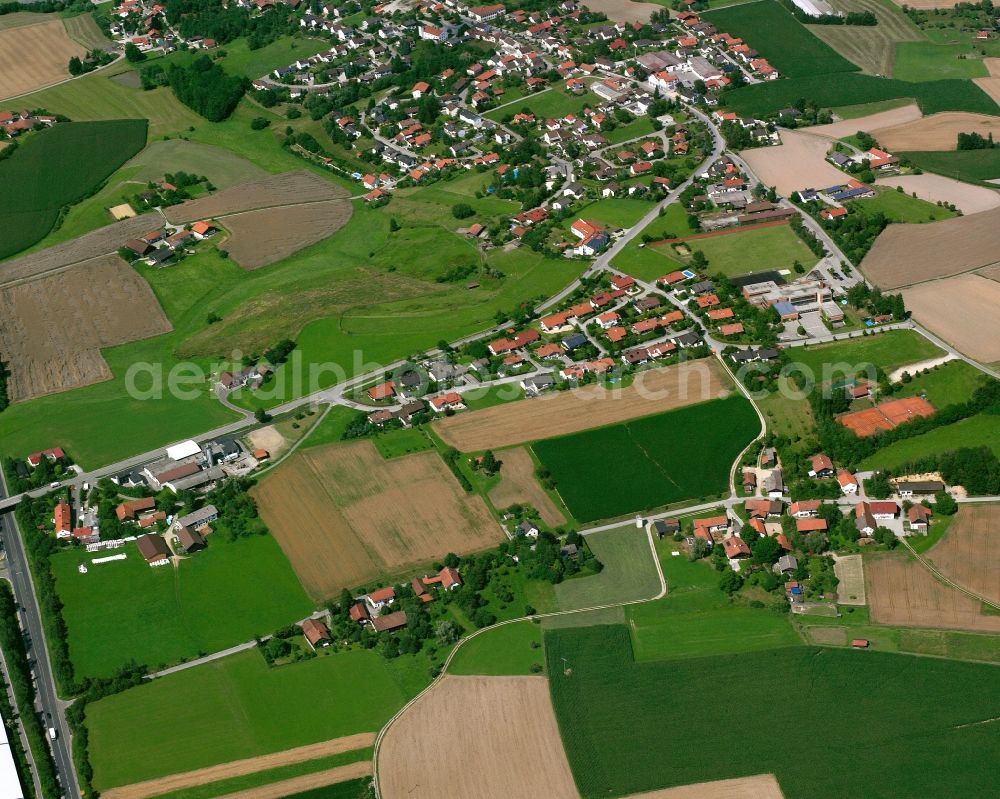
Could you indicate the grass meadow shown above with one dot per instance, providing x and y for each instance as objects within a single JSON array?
[
  {"x": 976, "y": 431},
  {"x": 57, "y": 167},
  {"x": 887, "y": 350},
  {"x": 916, "y": 61},
  {"x": 126, "y": 610},
  {"x": 240, "y": 707},
  {"x": 750, "y": 250},
  {"x": 508, "y": 650},
  {"x": 554, "y": 102},
  {"x": 629, "y": 571},
  {"x": 898, "y": 206},
  {"x": 650, "y": 462},
  {"x": 617, "y": 715},
  {"x": 944, "y": 385},
  {"x": 972, "y": 166}
]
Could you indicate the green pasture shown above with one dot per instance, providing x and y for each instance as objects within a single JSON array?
[
  {"x": 511, "y": 649},
  {"x": 887, "y": 350},
  {"x": 976, "y": 431},
  {"x": 921, "y": 61},
  {"x": 898, "y": 206},
  {"x": 749, "y": 250},
  {"x": 629, "y": 571},
  {"x": 972, "y": 166},
  {"x": 944, "y": 385}
]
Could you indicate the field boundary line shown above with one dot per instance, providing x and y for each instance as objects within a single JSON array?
[
  {"x": 937, "y": 574},
  {"x": 529, "y": 619}
]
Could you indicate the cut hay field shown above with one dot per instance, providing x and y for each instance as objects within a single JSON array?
[
  {"x": 751, "y": 250},
  {"x": 57, "y": 167},
  {"x": 615, "y": 716},
  {"x": 559, "y": 413},
  {"x": 223, "y": 168},
  {"x": 976, "y": 431},
  {"x": 518, "y": 485},
  {"x": 100, "y": 303},
  {"x": 502, "y": 721},
  {"x": 962, "y": 310},
  {"x": 34, "y": 56},
  {"x": 239, "y": 707},
  {"x": 904, "y": 593},
  {"x": 970, "y": 553},
  {"x": 84, "y": 30},
  {"x": 937, "y": 132},
  {"x": 345, "y": 516},
  {"x": 182, "y": 613},
  {"x": 777, "y": 36},
  {"x": 904, "y": 255},
  {"x": 937, "y": 188},
  {"x": 799, "y": 162},
  {"x": 629, "y": 572},
  {"x": 871, "y": 48},
  {"x": 650, "y": 462}
]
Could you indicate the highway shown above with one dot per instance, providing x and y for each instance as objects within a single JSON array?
[{"x": 31, "y": 623}]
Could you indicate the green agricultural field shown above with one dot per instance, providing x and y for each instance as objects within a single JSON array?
[
  {"x": 126, "y": 610},
  {"x": 647, "y": 263},
  {"x": 899, "y": 206},
  {"x": 866, "y": 109},
  {"x": 976, "y": 431},
  {"x": 55, "y": 168},
  {"x": 856, "y": 89},
  {"x": 972, "y": 166},
  {"x": 393, "y": 443},
  {"x": 873, "y": 48},
  {"x": 887, "y": 350},
  {"x": 511, "y": 649},
  {"x": 629, "y": 571},
  {"x": 239, "y": 707},
  {"x": 944, "y": 385},
  {"x": 612, "y": 212},
  {"x": 352, "y": 789},
  {"x": 780, "y": 38},
  {"x": 750, "y": 250},
  {"x": 554, "y": 102},
  {"x": 647, "y": 463},
  {"x": 241, "y": 60},
  {"x": 615, "y": 715},
  {"x": 82, "y": 28},
  {"x": 921, "y": 61}
]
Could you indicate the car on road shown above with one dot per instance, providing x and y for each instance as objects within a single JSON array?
[
  {"x": 54, "y": 484},
  {"x": 52, "y": 733}
]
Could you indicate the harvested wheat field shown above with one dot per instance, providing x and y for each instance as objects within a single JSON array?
[
  {"x": 937, "y": 132},
  {"x": 83, "y": 248},
  {"x": 799, "y": 162},
  {"x": 761, "y": 786},
  {"x": 967, "y": 198},
  {"x": 290, "y": 188},
  {"x": 97, "y": 304},
  {"x": 901, "y": 591},
  {"x": 963, "y": 311},
  {"x": 970, "y": 552},
  {"x": 625, "y": 10},
  {"x": 870, "y": 123},
  {"x": 260, "y": 238},
  {"x": 239, "y": 768},
  {"x": 518, "y": 486},
  {"x": 345, "y": 516},
  {"x": 557, "y": 414},
  {"x": 904, "y": 255},
  {"x": 34, "y": 56},
  {"x": 501, "y": 741},
  {"x": 990, "y": 85}
]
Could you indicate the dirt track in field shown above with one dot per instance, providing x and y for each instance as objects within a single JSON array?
[
  {"x": 290, "y": 188},
  {"x": 557, "y": 414},
  {"x": 870, "y": 123},
  {"x": 901, "y": 591},
  {"x": 482, "y": 737},
  {"x": 344, "y": 515},
  {"x": 967, "y": 198},
  {"x": 936, "y": 132},
  {"x": 799, "y": 162},
  {"x": 34, "y": 56},
  {"x": 963, "y": 311},
  {"x": 761, "y": 786},
  {"x": 307, "y": 782},
  {"x": 518, "y": 485},
  {"x": 52, "y": 328},
  {"x": 969, "y": 553},
  {"x": 251, "y": 765},
  {"x": 904, "y": 255},
  {"x": 90, "y": 245},
  {"x": 260, "y": 238}
]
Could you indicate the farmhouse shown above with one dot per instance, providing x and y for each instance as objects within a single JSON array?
[
  {"x": 822, "y": 466},
  {"x": 389, "y": 622},
  {"x": 805, "y": 508},
  {"x": 128, "y": 511},
  {"x": 911, "y": 488},
  {"x": 316, "y": 633},
  {"x": 154, "y": 549},
  {"x": 919, "y": 517},
  {"x": 63, "y": 520},
  {"x": 385, "y": 390},
  {"x": 848, "y": 482},
  {"x": 188, "y": 540},
  {"x": 51, "y": 455},
  {"x": 665, "y": 527}
]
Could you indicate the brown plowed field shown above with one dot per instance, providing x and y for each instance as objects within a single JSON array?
[
  {"x": 799, "y": 162},
  {"x": 557, "y": 414},
  {"x": 33, "y": 56},
  {"x": 90, "y": 245},
  {"x": 904, "y": 255},
  {"x": 937, "y": 132},
  {"x": 903, "y": 592},
  {"x": 886, "y": 415},
  {"x": 761, "y": 786},
  {"x": 290, "y": 188},
  {"x": 970, "y": 552},
  {"x": 870, "y": 123},
  {"x": 345, "y": 516},
  {"x": 963, "y": 311},
  {"x": 260, "y": 238},
  {"x": 625, "y": 10},
  {"x": 518, "y": 486},
  {"x": 239, "y": 768},
  {"x": 482, "y": 737},
  {"x": 52, "y": 329}
]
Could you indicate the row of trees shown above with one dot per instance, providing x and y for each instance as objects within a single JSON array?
[{"x": 91, "y": 61}]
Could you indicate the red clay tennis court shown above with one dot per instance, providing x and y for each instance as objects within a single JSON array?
[{"x": 886, "y": 415}]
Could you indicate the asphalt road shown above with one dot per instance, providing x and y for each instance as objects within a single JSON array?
[{"x": 31, "y": 623}]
